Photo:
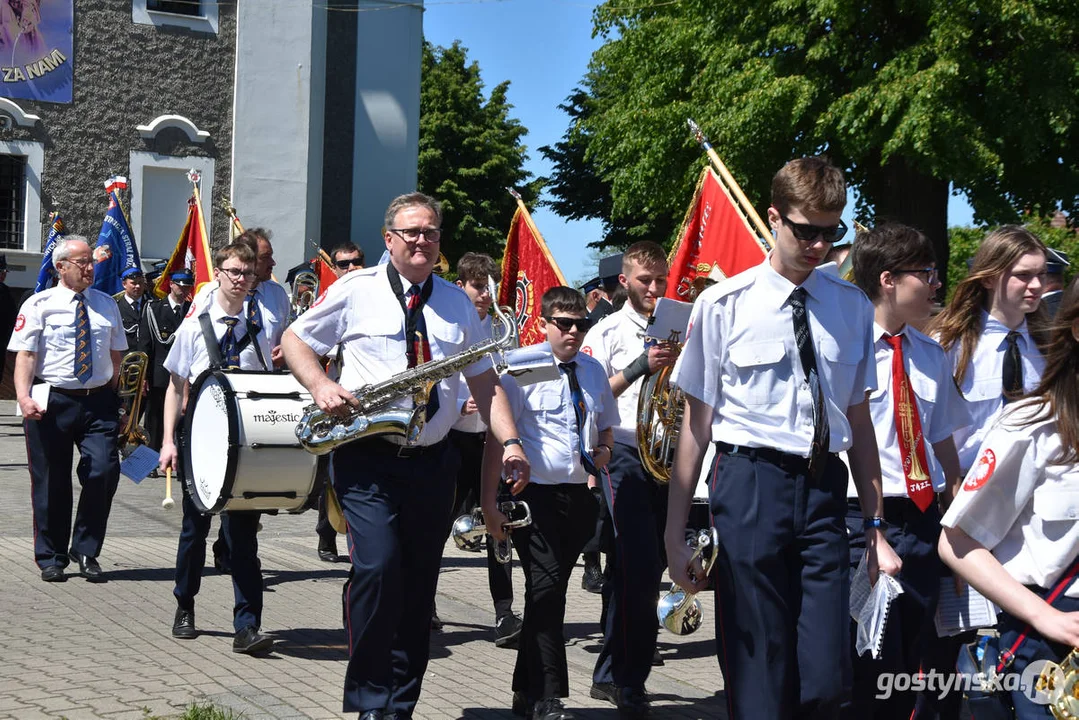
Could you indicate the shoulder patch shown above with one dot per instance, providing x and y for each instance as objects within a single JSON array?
[
  {"x": 587, "y": 350},
  {"x": 982, "y": 470},
  {"x": 190, "y": 311},
  {"x": 20, "y": 322}
]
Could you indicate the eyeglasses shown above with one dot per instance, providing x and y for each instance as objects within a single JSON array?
[
  {"x": 566, "y": 323},
  {"x": 931, "y": 274},
  {"x": 81, "y": 262},
  {"x": 343, "y": 264},
  {"x": 236, "y": 274},
  {"x": 412, "y": 235},
  {"x": 808, "y": 233}
]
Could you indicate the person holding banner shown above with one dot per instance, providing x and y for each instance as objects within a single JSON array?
[
  {"x": 636, "y": 503},
  {"x": 69, "y": 341},
  {"x": 777, "y": 365},
  {"x": 159, "y": 324}
]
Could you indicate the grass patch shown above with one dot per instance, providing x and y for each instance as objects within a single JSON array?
[{"x": 209, "y": 711}]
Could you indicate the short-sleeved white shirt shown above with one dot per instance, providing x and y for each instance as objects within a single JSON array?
[
  {"x": 189, "y": 356},
  {"x": 273, "y": 302},
  {"x": 615, "y": 342},
  {"x": 46, "y": 326},
  {"x": 471, "y": 423},
  {"x": 740, "y": 358},
  {"x": 547, "y": 423},
  {"x": 361, "y": 312},
  {"x": 1019, "y": 504},
  {"x": 941, "y": 409}
]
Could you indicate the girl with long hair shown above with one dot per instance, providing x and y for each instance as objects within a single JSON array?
[
  {"x": 993, "y": 327},
  {"x": 1011, "y": 531}
]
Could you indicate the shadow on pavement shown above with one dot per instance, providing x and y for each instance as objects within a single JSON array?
[{"x": 312, "y": 643}]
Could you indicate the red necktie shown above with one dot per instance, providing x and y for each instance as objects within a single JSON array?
[{"x": 908, "y": 427}]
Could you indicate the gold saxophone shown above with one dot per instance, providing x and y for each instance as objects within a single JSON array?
[
  {"x": 130, "y": 389},
  {"x": 320, "y": 432},
  {"x": 1060, "y": 682}
]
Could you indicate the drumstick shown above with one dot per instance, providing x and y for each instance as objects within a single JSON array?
[{"x": 167, "y": 502}]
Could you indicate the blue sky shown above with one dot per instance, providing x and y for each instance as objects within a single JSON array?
[{"x": 542, "y": 47}]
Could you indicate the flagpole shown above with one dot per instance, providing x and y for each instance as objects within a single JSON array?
[{"x": 743, "y": 201}]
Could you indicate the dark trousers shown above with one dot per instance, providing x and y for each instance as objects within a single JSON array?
[
  {"x": 469, "y": 449},
  {"x": 909, "y": 633},
  {"x": 1033, "y": 648},
  {"x": 154, "y": 421},
  {"x": 396, "y": 511},
  {"x": 327, "y": 536},
  {"x": 782, "y": 585},
  {"x": 90, "y": 422},
  {"x": 563, "y": 518},
  {"x": 240, "y": 531},
  {"x": 638, "y": 508}
]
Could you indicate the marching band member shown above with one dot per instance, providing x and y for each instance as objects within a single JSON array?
[
  {"x": 636, "y": 503},
  {"x": 216, "y": 337},
  {"x": 1011, "y": 531},
  {"x": 396, "y": 497},
  {"x": 70, "y": 337},
  {"x": 776, "y": 367},
  {"x": 467, "y": 437},
  {"x": 159, "y": 324},
  {"x": 992, "y": 328},
  {"x": 915, "y": 408},
  {"x": 565, "y": 427},
  {"x": 131, "y": 303},
  {"x": 1053, "y": 291}
]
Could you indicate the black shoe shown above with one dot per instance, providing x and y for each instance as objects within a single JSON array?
[
  {"x": 604, "y": 691},
  {"x": 53, "y": 573},
  {"x": 436, "y": 622},
  {"x": 592, "y": 579},
  {"x": 633, "y": 703},
  {"x": 327, "y": 553},
  {"x": 249, "y": 642},
  {"x": 372, "y": 715},
  {"x": 507, "y": 631},
  {"x": 222, "y": 564},
  {"x": 88, "y": 567},
  {"x": 522, "y": 706},
  {"x": 183, "y": 625},
  {"x": 550, "y": 709},
  {"x": 657, "y": 659}
]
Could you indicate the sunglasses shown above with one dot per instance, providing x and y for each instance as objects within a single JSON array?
[
  {"x": 343, "y": 264},
  {"x": 565, "y": 324},
  {"x": 806, "y": 232}
]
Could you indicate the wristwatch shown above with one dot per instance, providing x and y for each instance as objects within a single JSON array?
[{"x": 512, "y": 441}]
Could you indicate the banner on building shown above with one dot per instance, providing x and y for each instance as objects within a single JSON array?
[
  {"x": 528, "y": 271},
  {"x": 36, "y": 49}
]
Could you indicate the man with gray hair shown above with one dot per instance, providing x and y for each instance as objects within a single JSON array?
[{"x": 69, "y": 340}]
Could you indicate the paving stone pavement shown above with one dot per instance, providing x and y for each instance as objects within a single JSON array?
[{"x": 79, "y": 650}]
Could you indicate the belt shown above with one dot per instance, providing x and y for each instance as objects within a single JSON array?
[
  {"x": 380, "y": 446},
  {"x": 778, "y": 458},
  {"x": 896, "y": 508},
  {"x": 76, "y": 392}
]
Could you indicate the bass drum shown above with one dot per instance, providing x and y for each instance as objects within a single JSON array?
[{"x": 238, "y": 446}]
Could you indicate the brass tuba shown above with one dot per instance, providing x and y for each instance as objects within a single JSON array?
[
  {"x": 304, "y": 293},
  {"x": 130, "y": 389}
]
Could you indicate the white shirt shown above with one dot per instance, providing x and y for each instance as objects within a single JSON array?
[
  {"x": 471, "y": 423},
  {"x": 273, "y": 302},
  {"x": 46, "y": 326},
  {"x": 1020, "y": 505},
  {"x": 740, "y": 358},
  {"x": 547, "y": 423},
  {"x": 361, "y": 312},
  {"x": 189, "y": 355},
  {"x": 983, "y": 384},
  {"x": 941, "y": 409},
  {"x": 616, "y": 341}
]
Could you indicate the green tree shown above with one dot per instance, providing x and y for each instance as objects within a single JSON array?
[
  {"x": 470, "y": 151},
  {"x": 908, "y": 96}
]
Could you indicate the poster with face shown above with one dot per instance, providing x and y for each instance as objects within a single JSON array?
[{"x": 36, "y": 49}]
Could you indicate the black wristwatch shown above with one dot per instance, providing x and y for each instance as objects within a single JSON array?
[{"x": 512, "y": 441}]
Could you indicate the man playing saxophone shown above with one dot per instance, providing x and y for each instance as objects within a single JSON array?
[{"x": 396, "y": 496}]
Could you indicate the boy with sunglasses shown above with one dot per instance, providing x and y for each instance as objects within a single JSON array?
[
  {"x": 565, "y": 430},
  {"x": 915, "y": 410},
  {"x": 777, "y": 365}
]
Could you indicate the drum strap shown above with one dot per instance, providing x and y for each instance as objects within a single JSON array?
[{"x": 214, "y": 348}]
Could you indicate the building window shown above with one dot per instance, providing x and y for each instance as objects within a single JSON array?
[
  {"x": 178, "y": 7},
  {"x": 159, "y": 193},
  {"x": 197, "y": 15},
  {"x": 12, "y": 200}
]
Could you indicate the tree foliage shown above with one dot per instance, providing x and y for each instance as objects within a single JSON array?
[
  {"x": 906, "y": 95},
  {"x": 470, "y": 151}
]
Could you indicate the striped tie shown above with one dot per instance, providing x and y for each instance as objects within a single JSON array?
[{"x": 84, "y": 357}]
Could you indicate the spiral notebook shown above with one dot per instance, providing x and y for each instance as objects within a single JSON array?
[{"x": 869, "y": 606}]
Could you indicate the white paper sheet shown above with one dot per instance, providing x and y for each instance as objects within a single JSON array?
[
  {"x": 959, "y": 613},
  {"x": 869, "y": 606}
]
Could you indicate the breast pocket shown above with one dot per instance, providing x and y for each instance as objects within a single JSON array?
[
  {"x": 446, "y": 339},
  {"x": 841, "y": 365},
  {"x": 759, "y": 372},
  {"x": 59, "y": 334},
  {"x": 1057, "y": 508},
  {"x": 925, "y": 392},
  {"x": 984, "y": 390},
  {"x": 383, "y": 337}
]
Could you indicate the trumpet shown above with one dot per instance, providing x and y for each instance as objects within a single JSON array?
[
  {"x": 468, "y": 530},
  {"x": 680, "y": 611}
]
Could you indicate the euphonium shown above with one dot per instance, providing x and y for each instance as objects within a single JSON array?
[
  {"x": 680, "y": 611},
  {"x": 468, "y": 530},
  {"x": 659, "y": 418},
  {"x": 130, "y": 389},
  {"x": 1061, "y": 684},
  {"x": 304, "y": 293},
  {"x": 320, "y": 432}
]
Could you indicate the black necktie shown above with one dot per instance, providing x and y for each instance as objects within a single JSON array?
[
  {"x": 580, "y": 410},
  {"x": 804, "y": 341},
  {"x": 1013, "y": 368}
]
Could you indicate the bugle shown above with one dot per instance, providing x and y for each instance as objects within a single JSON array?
[
  {"x": 468, "y": 530},
  {"x": 680, "y": 611}
]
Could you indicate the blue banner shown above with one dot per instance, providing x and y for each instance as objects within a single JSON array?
[
  {"x": 115, "y": 250},
  {"x": 36, "y": 50},
  {"x": 46, "y": 276}
]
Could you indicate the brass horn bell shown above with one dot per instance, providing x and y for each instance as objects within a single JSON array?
[
  {"x": 680, "y": 611},
  {"x": 468, "y": 530}
]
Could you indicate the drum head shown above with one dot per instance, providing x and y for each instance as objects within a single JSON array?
[{"x": 210, "y": 439}]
